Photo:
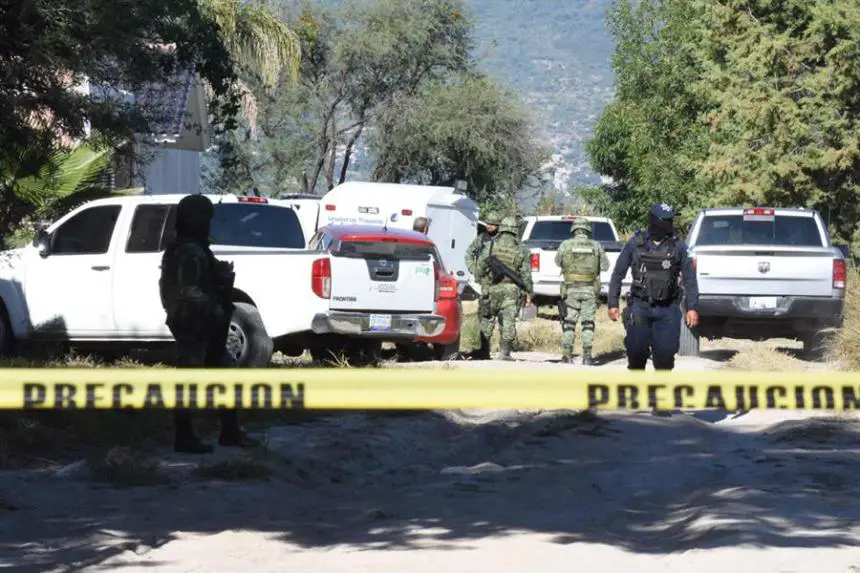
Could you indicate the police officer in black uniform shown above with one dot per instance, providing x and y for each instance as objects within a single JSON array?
[{"x": 656, "y": 258}]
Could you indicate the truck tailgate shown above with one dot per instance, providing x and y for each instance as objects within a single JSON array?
[
  {"x": 764, "y": 270},
  {"x": 390, "y": 284}
]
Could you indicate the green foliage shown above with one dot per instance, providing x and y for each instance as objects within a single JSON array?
[
  {"x": 467, "y": 128},
  {"x": 738, "y": 102},
  {"x": 393, "y": 79}
]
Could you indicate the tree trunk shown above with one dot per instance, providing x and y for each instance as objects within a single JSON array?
[{"x": 348, "y": 153}]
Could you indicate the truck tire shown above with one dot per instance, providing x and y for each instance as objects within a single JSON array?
[
  {"x": 7, "y": 337},
  {"x": 689, "y": 343},
  {"x": 816, "y": 346},
  {"x": 446, "y": 352},
  {"x": 248, "y": 343}
]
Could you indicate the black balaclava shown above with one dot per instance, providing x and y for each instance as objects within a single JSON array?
[
  {"x": 194, "y": 218},
  {"x": 659, "y": 228}
]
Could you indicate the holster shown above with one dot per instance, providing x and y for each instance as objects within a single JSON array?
[{"x": 627, "y": 317}]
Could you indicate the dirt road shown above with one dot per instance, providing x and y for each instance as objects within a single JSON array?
[{"x": 501, "y": 491}]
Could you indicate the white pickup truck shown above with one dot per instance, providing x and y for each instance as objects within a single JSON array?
[
  {"x": 765, "y": 273},
  {"x": 91, "y": 279},
  {"x": 543, "y": 235}
]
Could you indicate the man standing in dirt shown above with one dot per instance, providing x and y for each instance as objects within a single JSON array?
[
  {"x": 656, "y": 258},
  {"x": 491, "y": 222},
  {"x": 581, "y": 261},
  {"x": 507, "y": 285},
  {"x": 197, "y": 314}
]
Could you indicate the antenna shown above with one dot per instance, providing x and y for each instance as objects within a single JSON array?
[{"x": 385, "y": 225}]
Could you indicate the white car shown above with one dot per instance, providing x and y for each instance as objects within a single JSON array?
[
  {"x": 91, "y": 278},
  {"x": 765, "y": 273},
  {"x": 543, "y": 235}
]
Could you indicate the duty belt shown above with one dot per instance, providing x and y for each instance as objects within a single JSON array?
[{"x": 574, "y": 278}]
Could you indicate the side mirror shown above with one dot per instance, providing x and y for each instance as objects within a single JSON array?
[{"x": 42, "y": 242}]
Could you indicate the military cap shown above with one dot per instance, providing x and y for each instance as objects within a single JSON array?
[
  {"x": 662, "y": 211},
  {"x": 491, "y": 218},
  {"x": 581, "y": 224}
]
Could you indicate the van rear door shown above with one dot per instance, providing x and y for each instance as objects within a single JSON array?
[{"x": 383, "y": 275}]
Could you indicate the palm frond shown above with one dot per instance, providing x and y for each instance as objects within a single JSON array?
[
  {"x": 265, "y": 44},
  {"x": 64, "y": 173}
]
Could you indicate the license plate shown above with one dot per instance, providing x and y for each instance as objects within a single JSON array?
[
  {"x": 380, "y": 321},
  {"x": 762, "y": 302}
]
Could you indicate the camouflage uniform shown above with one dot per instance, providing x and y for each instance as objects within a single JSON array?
[
  {"x": 473, "y": 252},
  {"x": 197, "y": 315},
  {"x": 503, "y": 296},
  {"x": 581, "y": 261}
]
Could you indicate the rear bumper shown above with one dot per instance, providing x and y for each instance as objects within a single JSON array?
[
  {"x": 452, "y": 310},
  {"x": 402, "y": 326},
  {"x": 552, "y": 288},
  {"x": 722, "y": 314}
]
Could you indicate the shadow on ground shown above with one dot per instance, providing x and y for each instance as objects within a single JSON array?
[{"x": 643, "y": 483}]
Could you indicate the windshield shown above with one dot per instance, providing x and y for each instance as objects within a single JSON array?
[
  {"x": 560, "y": 231},
  {"x": 778, "y": 230},
  {"x": 255, "y": 225}
]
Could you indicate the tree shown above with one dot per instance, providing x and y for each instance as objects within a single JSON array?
[
  {"x": 49, "y": 47},
  {"x": 355, "y": 60},
  {"x": 465, "y": 128},
  {"x": 734, "y": 102}
]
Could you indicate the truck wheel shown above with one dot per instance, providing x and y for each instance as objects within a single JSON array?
[
  {"x": 689, "y": 340},
  {"x": 445, "y": 352},
  {"x": 7, "y": 338},
  {"x": 248, "y": 343},
  {"x": 816, "y": 346}
]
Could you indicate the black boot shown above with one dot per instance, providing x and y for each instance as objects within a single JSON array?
[
  {"x": 586, "y": 357},
  {"x": 483, "y": 351},
  {"x": 185, "y": 440},
  {"x": 232, "y": 435},
  {"x": 505, "y": 351}
]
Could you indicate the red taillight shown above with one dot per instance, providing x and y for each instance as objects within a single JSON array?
[
  {"x": 758, "y": 211},
  {"x": 330, "y": 207},
  {"x": 321, "y": 278},
  {"x": 839, "y": 274},
  {"x": 535, "y": 261},
  {"x": 406, "y": 212},
  {"x": 253, "y": 200}
]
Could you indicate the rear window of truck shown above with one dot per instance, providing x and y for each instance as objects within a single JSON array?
[
  {"x": 252, "y": 225},
  {"x": 558, "y": 231},
  {"x": 387, "y": 249},
  {"x": 781, "y": 230}
]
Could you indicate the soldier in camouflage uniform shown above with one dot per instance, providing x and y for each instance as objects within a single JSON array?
[
  {"x": 491, "y": 221},
  {"x": 581, "y": 261},
  {"x": 196, "y": 314},
  {"x": 504, "y": 296}
]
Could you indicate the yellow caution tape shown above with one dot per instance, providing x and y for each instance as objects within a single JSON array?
[{"x": 396, "y": 388}]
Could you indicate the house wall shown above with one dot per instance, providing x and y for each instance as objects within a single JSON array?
[{"x": 170, "y": 171}]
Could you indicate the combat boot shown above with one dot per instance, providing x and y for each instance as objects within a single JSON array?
[
  {"x": 567, "y": 356},
  {"x": 505, "y": 351},
  {"x": 586, "y": 357},
  {"x": 483, "y": 351}
]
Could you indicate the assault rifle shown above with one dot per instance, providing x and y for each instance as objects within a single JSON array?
[
  {"x": 562, "y": 311},
  {"x": 500, "y": 270}
]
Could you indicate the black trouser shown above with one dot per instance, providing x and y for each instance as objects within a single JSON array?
[
  {"x": 193, "y": 352},
  {"x": 652, "y": 329}
]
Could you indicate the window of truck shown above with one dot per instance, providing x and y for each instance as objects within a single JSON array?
[
  {"x": 560, "y": 231},
  {"x": 780, "y": 230},
  {"x": 253, "y": 225}
]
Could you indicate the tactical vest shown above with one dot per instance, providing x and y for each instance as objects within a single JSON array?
[
  {"x": 508, "y": 253},
  {"x": 581, "y": 262},
  {"x": 655, "y": 272}
]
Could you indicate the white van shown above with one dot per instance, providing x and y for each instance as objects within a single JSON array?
[{"x": 452, "y": 215}]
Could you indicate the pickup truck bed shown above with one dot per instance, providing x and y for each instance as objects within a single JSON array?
[
  {"x": 765, "y": 273},
  {"x": 543, "y": 236}
]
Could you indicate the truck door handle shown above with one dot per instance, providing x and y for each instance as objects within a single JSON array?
[{"x": 100, "y": 267}]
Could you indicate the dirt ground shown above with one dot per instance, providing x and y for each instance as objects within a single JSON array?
[{"x": 473, "y": 491}]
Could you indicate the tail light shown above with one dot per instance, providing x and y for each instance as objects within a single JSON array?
[
  {"x": 759, "y": 211},
  {"x": 839, "y": 274},
  {"x": 321, "y": 278},
  {"x": 406, "y": 212},
  {"x": 253, "y": 200},
  {"x": 330, "y": 207},
  {"x": 535, "y": 261},
  {"x": 446, "y": 286}
]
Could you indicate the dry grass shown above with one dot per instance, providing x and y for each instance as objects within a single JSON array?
[
  {"x": 543, "y": 334},
  {"x": 765, "y": 358},
  {"x": 847, "y": 344}
]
